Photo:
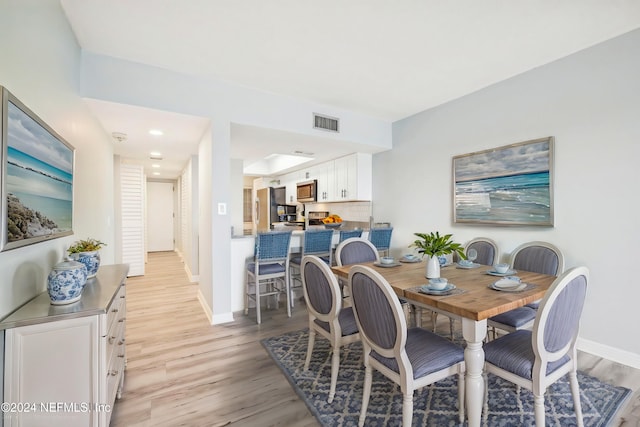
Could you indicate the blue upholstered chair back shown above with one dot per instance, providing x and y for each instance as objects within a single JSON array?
[
  {"x": 381, "y": 237},
  {"x": 344, "y": 235},
  {"x": 487, "y": 252},
  {"x": 272, "y": 246},
  {"x": 318, "y": 288},
  {"x": 375, "y": 311},
  {"x": 356, "y": 251},
  {"x": 563, "y": 318},
  {"x": 539, "y": 257},
  {"x": 317, "y": 242}
]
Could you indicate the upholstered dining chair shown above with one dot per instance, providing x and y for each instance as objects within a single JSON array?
[
  {"x": 267, "y": 272},
  {"x": 486, "y": 248},
  {"x": 412, "y": 358},
  {"x": 327, "y": 317},
  {"x": 487, "y": 251},
  {"x": 539, "y": 257},
  {"x": 356, "y": 250},
  {"x": 536, "y": 359},
  {"x": 314, "y": 242},
  {"x": 381, "y": 238}
]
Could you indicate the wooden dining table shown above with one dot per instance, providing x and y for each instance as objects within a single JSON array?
[{"x": 472, "y": 301}]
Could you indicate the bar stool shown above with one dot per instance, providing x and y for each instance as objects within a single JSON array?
[{"x": 267, "y": 274}]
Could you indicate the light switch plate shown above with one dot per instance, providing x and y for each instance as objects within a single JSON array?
[{"x": 222, "y": 208}]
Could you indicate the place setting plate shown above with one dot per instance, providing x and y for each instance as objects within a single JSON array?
[
  {"x": 506, "y": 273},
  {"x": 388, "y": 265},
  {"x": 426, "y": 289},
  {"x": 509, "y": 284},
  {"x": 468, "y": 266},
  {"x": 410, "y": 260}
]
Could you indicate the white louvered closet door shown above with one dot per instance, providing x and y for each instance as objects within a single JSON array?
[{"x": 132, "y": 203}]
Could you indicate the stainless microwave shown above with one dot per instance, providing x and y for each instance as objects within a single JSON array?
[{"x": 307, "y": 191}]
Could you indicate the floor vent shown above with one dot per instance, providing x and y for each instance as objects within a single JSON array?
[{"x": 326, "y": 123}]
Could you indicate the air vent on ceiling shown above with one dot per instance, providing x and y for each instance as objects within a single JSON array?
[
  {"x": 153, "y": 157},
  {"x": 326, "y": 123}
]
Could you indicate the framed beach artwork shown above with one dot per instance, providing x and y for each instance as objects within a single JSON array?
[
  {"x": 509, "y": 185},
  {"x": 37, "y": 178}
]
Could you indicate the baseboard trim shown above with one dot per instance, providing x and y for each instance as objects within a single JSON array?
[
  {"x": 610, "y": 353},
  {"x": 205, "y": 307},
  {"x": 222, "y": 318},
  {"x": 192, "y": 278},
  {"x": 214, "y": 319}
]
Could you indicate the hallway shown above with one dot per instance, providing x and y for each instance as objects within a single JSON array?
[{"x": 183, "y": 371}]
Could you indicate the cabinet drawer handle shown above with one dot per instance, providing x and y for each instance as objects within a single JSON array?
[
  {"x": 115, "y": 310},
  {"x": 111, "y": 339},
  {"x": 121, "y": 355},
  {"x": 113, "y": 373},
  {"x": 122, "y": 320},
  {"x": 121, "y": 341}
]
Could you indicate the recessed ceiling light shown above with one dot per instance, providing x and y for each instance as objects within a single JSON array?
[
  {"x": 155, "y": 153},
  {"x": 156, "y": 173},
  {"x": 155, "y": 165},
  {"x": 155, "y": 132}
]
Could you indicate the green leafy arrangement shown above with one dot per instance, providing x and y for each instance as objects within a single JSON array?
[
  {"x": 87, "y": 245},
  {"x": 433, "y": 244}
]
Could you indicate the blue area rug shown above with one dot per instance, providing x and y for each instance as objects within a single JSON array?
[{"x": 435, "y": 405}]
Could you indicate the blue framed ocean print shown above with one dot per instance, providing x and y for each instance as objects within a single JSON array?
[{"x": 509, "y": 185}]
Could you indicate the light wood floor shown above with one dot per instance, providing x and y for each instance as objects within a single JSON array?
[{"x": 182, "y": 371}]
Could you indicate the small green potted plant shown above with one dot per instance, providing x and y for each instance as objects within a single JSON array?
[
  {"x": 434, "y": 245},
  {"x": 86, "y": 252}
]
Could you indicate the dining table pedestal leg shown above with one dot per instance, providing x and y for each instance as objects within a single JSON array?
[{"x": 474, "y": 333}]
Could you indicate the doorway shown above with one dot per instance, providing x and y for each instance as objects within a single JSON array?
[{"x": 160, "y": 216}]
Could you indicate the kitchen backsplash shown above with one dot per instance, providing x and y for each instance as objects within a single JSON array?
[{"x": 348, "y": 211}]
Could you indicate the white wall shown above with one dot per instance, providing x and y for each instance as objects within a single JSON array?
[
  {"x": 40, "y": 65},
  {"x": 590, "y": 103}
]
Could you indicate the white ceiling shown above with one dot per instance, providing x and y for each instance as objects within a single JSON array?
[{"x": 387, "y": 59}]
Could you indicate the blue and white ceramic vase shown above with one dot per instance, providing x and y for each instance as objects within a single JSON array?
[
  {"x": 66, "y": 282},
  {"x": 90, "y": 259}
]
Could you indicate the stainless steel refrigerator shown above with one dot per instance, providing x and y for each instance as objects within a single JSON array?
[{"x": 266, "y": 207}]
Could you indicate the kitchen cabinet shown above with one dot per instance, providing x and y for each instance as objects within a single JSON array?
[
  {"x": 352, "y": 178},
  {"x": 66, "y": 363},
  {"x": 324, "y": 173},
  {"x": 344, "y": 179}
]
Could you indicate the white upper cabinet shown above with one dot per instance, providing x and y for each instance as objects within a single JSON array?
[
  {"x": 345, "y": 179},
  {"x": 353, "y": 175}
]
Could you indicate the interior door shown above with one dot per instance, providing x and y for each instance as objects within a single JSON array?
[{"x": 160, "y": 216}]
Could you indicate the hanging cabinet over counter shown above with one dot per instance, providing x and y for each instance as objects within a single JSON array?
[{"x": 64, "y": 365}]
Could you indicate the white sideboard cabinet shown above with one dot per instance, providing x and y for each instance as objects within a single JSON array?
[{"x": 64, "y": 365}]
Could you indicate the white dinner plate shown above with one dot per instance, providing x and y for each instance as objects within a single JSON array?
[
  {"x": 468, "y": 266},
  {"x": 407, "y": 260},
  {"x": 507, "y": 283},
  {"x": 393, "y": 264},
  {"x": 520, "y": 287},
  {"x": 426, "y": 289},
  {"x": 495, "y": 273}
]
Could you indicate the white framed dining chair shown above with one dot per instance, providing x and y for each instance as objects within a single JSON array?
[
  {"x": 536, "y": 256},
  {"x": 314, "y": 242},
  {"x": 538, "y": 358},
  {"x": 486, "y": 248},
  {"x": 412, "y": 358},
  {"x": 357, "y": 250},
  {"x": 327, "y": 317},
  {"x": 487, "y": 251}
]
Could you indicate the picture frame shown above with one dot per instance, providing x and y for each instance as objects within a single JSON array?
[
  {"x": 36, "y": 179},
  {"x": 508, "y": 185}
]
